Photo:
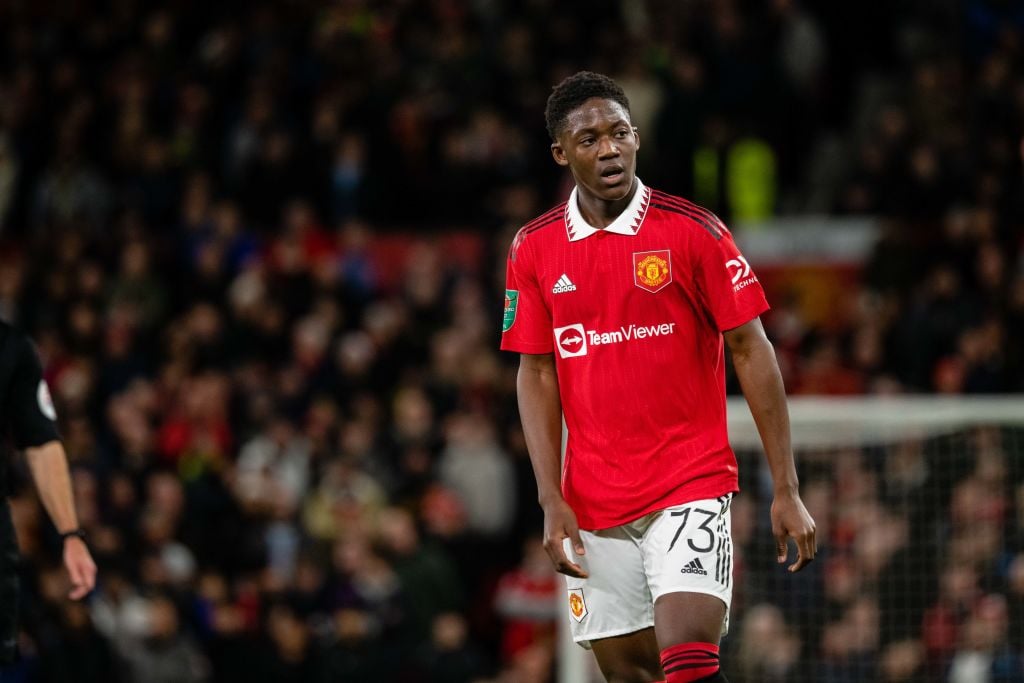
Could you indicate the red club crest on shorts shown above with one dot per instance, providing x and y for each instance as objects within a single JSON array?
[
  {"x": 577, "y": 605},
  {"x": 652, "y": 270}
]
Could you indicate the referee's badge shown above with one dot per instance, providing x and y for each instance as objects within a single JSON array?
[
  {"x": 45, "y": 401},
  {"x": 652, "y": 270},
  {"x": 577, "y": 605}
]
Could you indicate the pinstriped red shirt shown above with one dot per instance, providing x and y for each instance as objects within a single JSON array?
[{"x": 634, "y": 315}]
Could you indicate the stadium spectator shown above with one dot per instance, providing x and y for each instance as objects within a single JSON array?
[
  {"x": 768, "y": 649},
  {"x": 526, "y": 599},
  {"x": 163, "y": 653}
]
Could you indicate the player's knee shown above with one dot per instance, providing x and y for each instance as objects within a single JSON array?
[{"x": 690, "y": 662}]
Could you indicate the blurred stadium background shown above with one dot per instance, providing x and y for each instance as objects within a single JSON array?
[{"x": 261, "y": 247}]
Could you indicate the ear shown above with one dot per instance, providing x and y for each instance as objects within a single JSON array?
[
  {"x": 558, "y": 154},
  {"x": 636, "y": 136}
]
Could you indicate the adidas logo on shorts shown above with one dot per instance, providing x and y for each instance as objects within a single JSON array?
[
  {"x": 563, "y": 285},
  {"x": 694, "y": 567}
]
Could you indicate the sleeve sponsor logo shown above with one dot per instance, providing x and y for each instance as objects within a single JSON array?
[
  {"x": 574, "y": 340},
  {"x": 511, "y": 304},
  {"x": 741, "y": 276},
  {"x": 652, "y": 270},
  {"x": 45, "y": 401}
]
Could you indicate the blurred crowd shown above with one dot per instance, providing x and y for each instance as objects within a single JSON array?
[
  {"x": 298, "y": 462},
  {"x": 921, "y": 574}
]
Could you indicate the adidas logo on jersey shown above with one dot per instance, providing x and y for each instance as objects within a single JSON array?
[
  {"x": 694, "y": 567},
  {"x": 563, "y": 285}
]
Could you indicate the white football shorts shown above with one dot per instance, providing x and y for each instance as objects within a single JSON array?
[{"x": 685, "y": 548}]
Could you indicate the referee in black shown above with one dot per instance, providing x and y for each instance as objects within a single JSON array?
[{"x": 28, "y": 418}]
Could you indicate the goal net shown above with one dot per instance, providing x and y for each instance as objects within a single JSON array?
[{"x": 919, "y": 506}]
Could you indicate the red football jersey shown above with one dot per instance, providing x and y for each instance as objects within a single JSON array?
[{"x": 634, "y": 314}]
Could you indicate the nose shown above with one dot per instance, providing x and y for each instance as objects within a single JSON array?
[{"x": 607, "y": 148}]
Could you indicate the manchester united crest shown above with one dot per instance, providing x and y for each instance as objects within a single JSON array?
[
  {"x": 652, "y": 270},
  {"x": 577, "y": 605}
]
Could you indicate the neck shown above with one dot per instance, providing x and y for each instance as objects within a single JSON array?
[{"x": 601, "y": 212}]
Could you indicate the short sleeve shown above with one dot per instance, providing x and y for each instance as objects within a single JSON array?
[
  {"x": 728, "y": 286},
  {"x": 526, "y": 324},
  {"x": 32, "y": 417}
]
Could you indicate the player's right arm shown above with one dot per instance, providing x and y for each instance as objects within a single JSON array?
[
  {"x": 526, "y": 330},
  {"x": 540, "y": 410}
]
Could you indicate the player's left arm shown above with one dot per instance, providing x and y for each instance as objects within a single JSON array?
[{"x": 758, "y": 371}]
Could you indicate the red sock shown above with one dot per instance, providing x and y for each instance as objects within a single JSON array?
[{"x": 689, "y": 662}]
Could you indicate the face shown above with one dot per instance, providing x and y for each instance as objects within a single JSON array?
[{"x": 598, "y": 143}]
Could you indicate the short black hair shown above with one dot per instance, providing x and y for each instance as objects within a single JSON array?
[{"x": 574, "y": 91}]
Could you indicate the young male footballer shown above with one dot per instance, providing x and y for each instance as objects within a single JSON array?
[{"x": 620, "y": 301}]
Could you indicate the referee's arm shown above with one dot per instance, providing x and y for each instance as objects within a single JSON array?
[
  {"x": 49, "y": 466},
  {"x": 33, "y": 422}
]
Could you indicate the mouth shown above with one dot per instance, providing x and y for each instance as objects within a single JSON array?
[{"x": 612, "y": 175}]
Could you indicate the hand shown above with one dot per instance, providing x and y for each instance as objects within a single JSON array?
[
  {"x": 790, "y": 519},
  {"x": 560, "y": 523},
  {"x": 80, "y": 566}
]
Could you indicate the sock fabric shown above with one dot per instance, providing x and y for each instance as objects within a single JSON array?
[{"x": 690, "y": 662}]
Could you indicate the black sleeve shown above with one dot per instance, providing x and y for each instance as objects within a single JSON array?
[{"x": 32, "y": 416}]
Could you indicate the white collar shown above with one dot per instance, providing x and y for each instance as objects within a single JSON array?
[{"x": 627, "y": 223}]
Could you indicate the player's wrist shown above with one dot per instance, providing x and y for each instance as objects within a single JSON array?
[
  {"x": 551, "y": 501},
  {"x": 787, "y": 490}
]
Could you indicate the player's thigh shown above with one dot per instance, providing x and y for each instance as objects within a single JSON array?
[
  {"x": 688, "y": 618},
  {"x": 614, "y": 599},
  {"x": 688, "y": 557}
]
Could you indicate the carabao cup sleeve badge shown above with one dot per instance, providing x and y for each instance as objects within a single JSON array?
[
  {"x": 511, "y": 304},
  {"x": 652, "y": 270}
]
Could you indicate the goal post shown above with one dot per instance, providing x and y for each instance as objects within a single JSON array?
[{"x": 919, "y": 506}]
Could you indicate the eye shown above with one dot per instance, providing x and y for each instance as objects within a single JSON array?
[
  {"x": 621, "y": 134},
  {"x": 587, "y": 142}
]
